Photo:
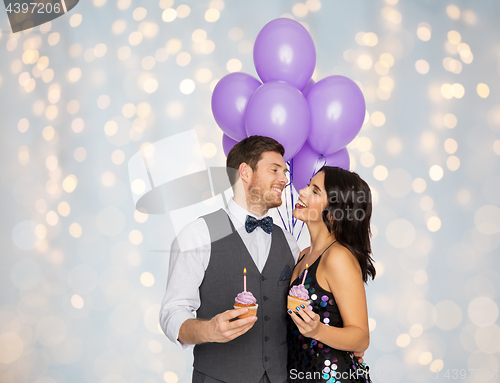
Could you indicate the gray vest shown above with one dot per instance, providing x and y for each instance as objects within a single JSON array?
[{"x": 264, "y": 347}]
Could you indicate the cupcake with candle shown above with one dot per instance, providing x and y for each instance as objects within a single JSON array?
[
  {"x": 246, "y": 299},
  {"x": 298, "y": 295}
]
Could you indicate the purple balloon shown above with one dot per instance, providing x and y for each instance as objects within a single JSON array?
[
  {"x": 309, "y": 85},
  {"x": 337, "y": 113},
  {"x": 279, "y": 110},
  {"x": 307, "y": 162},
  {"x": 229, "y": 101},
  {"x": 284, "y": 50},
  {"x": 227, "y": 144}
]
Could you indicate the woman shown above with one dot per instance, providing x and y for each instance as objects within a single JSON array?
[{"x": 336, "y": 206}]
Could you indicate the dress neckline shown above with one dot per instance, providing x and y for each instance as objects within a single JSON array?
[{"x": 314, "y": 263}]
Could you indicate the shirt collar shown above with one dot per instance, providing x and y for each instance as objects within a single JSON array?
[{"x": 240, "y": 213}]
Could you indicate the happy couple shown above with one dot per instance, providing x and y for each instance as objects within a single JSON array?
[{"x": 312, "y": 343}]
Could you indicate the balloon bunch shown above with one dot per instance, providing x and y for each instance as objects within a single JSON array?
[{"x": 313, "y": 121}]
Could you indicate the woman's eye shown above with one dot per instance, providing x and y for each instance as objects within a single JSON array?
[{"x": 314, "y": 191}]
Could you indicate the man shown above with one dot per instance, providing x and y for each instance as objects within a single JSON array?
[{"x": 206, "y": 273}]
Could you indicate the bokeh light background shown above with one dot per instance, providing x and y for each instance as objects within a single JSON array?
[{"x": 83, "y": 274}]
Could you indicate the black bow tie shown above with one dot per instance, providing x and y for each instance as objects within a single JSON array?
[{"x": 265, "y": 223}]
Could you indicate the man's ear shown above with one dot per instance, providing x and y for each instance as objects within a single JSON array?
[{"x": 245, "y": 172}]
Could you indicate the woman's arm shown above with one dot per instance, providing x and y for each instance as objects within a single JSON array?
[{"x": 341, "y": 272}]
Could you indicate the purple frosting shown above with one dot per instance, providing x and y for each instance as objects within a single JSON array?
[
  {"x": 245, "y": 298},
  {"x": 299, "y": 291}
]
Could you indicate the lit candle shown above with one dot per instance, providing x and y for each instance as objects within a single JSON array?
[
  {"x": 245, "y": 279},
  {"x": 305, "y": 274}
]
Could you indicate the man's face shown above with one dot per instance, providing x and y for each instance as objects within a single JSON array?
[{"x": 268, "y": 180}]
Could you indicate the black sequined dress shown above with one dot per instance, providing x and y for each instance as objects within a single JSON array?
[{"x": 313, "y": 361}]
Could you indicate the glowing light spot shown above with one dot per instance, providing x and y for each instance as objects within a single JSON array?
[
  {"x": 416, "y": 330},
  {"x": 138, "y": 186},
  {"x": 377, "y": 118},
  {"x": 75, "y": 230},
  {"x": 135, "y": 237},
  {"x": 425, "y": 358},
  {"x": 187, "y": 86},
  {"x": 169, "y": 15},
  {"x": 434, "y": 224},
  {"x": 454, "y": 37},
  {"x": 204, "y": 75},
  {"x": 458, "y": 90},
  {"x": 483, "y": 90},
  {"x": 422, "y": 66},
  {"x": 170, "y": 377},
  {"x": 74, "y": 74},
  {"x": 150, "y": 85},
  {"x": 139, "y": 13},
  {"x": 212, "y": 15},
  {"x": 394, "y": 146},
  {"x": 403, "y": 340},
  {"x": 140, "y": 217},
  {"x": 424, "y": 31},
  {"x": 234, "y": 65},
  {"x": 209, "y": 150},
  {"x": 300, "y": 10},
  {"x": 128, "y": 111},
  {"x": 483, "y": 311},
  {"x": 436, "y": 172},
  {"x": 450, "y": 145},
  {"x": 453, "y": 12},
  {"x": 450, "y": 121},
  {"x": 52, "y": 218},
  {"x": 23, "y": 125},
  {"x": 207, "y": 47},
  {"x": 135, "y": 38},
  {"x": 108, "y": 179},
  {"x": 77, "y": 125},
  {"x": 174, "y": 46},
  {"x": 147, "y": 279},
  {"x": 183, "y": 11},
  {"x": 63, "y": 208},
  {"x": 11, "y": 347},
  {"x": 124, "y": 53},
  {"x": 387, "y": 59},
  {"x": 199, "y": 35},
  {"x": 436, "y": 365},
  {"x": 70, "y": 183},
  {"x": 380, "y": 173},
  {"x": 80, "y": 154},
  {"x": 365, "y": 62},
  {"x": 77, "y": 301},
  {"x": 75, "y": 20},
  {"x": 453, "y": 163},
  {"x": 420, "y": 277}
]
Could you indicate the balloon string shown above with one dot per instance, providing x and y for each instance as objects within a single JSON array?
[
  {"x": 298, "y": 236},
  {"x": 292, "y": 224},
  {"x": 282, "y": 220}
]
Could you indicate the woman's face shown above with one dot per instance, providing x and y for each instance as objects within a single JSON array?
[{"x": 312, "y": 201}]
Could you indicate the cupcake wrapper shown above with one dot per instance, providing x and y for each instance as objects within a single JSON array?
[
  {"x": 293, "y": 302},
  {"x": 252, "y": 310}
]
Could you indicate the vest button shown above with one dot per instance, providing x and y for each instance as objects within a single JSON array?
[
  {"x": 263, "y": 278},
  {"x": 266, "y": 359},
  {"x": 266, "y": 338},
  {"x": 265, "y": 298},
  {"x": 266, "y": 318}
]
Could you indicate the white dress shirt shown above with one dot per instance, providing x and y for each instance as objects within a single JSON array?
[{"x": 189, "y": 258}]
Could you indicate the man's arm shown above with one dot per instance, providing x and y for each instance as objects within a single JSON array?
[{"x": 189, "y": 258}]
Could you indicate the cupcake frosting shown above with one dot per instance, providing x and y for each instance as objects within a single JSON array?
[
  {"x": 245, "y": 298},
  {"x": 299, "y": 291}
]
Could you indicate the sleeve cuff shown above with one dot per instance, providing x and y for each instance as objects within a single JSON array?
[{"x": 174, "y": 327}]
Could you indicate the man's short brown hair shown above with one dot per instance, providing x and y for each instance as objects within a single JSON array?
[{"x": 250, "y": 150}]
